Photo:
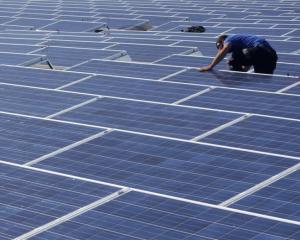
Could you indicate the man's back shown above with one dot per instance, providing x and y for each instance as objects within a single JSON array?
[{"x": 240, "y": 41}]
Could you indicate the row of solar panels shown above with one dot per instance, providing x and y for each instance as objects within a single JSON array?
[
  {"x": 113, "y": 212},
  {"x": 67, "y": 53},
  {"x": 153, "y": 106},
  {"x": 173, "y": 136}
]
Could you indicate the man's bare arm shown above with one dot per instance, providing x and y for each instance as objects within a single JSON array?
[{"x": 218, "y": 58}]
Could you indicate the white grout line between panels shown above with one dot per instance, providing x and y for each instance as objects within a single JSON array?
[
  {"x": 154, "y": 194},
  {"x": 69, "y": 147},
  {"x": 157, "y": 136},
  {"x": 220, "y": 128},
  {"x": 173, "y": 74},
  {"x": 75, "y": 82},
  {"x": 73, "y": 214},
  {"x": 288, "y": 87},
  {"x": 193, "y": 95},
  {"x": 73, "y": 108},
  {"x": 261, "y": 185}
]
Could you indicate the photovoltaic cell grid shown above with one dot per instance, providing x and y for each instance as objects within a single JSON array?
[
  {"x": 30, "y": 199},
  {"x": 279, "y": 199},
  {"x": 219, "y": 155},
  {"x": 137, "y": 215},
  {"x": 182, "y": 169},
  {"x": 26, "y": 139}
]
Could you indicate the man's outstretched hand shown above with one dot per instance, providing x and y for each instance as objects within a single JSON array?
[{"x": 205, "y": 69}]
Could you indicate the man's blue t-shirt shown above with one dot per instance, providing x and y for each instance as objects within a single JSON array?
[{"x": 240, "y": 41}]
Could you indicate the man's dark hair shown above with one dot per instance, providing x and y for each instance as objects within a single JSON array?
[{"x": 221, "y": 38}]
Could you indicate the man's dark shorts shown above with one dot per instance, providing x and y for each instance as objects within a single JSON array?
[{"x": 262, "y": 58}]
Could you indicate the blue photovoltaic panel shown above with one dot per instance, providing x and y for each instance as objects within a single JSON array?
[
  {"x": 295, "y": 33},
  {"x": 38, "y": 11},
  {"x": 280, "y": 199},
  {"x": 37, "y": 77},
  {"x": 205, "y": 48},
  {"x": 191, "y": 61},
  {"x": 73, "y": 26},
  {"x": 25, "y": 139},
  {"x": 18, "y": 48},
  {"x": 294, "y": 90},
  {"x": 30, "y": 199},
  {"x": 208, "y": 30},
  {"x": 200, "y": 17},
  {"x": 262, "y": 134},
  {"x": 285, "y": 46},
  {"x": 234, "y": 80},
  {"x": 249, "y": 102},
  {"x": 259, "y": 31},
  {"x": 182, "y": 169},
  {"x": 150, "y": 53},
  {"x": 77, "y": 18},
  {"x": 182, "y": 24},
  {"x": 136, "y": 34},
  {"x": 127, "y": 69},
  {"x": 289, "y": 58},
  {"x": 230, "y": 20},
  {"x": 68, "y": 56},
  {"x": 136, "y": 39},
  {"x": 77, "y": 44},
  {"x": 135, "y": 89},
  {"x": 74, "y": 12},
  {"x": 243, "y": 24},
  {"x": 125, "y": 23},
  {"x": 159, "y": 20},
  {"x": 82, "y": 37},
  {"x": 23, "y": 34},
  {"x": 288, "y": 69},
  {"x": 37, "y": 102},
  {"x": 33, "y": 22},
  {"x": 172, "y": 121},
  {"x": 26, "y": 41},
  {"x": 141, "y": 216},
  {"x": 37, "y": 15},
  {"x": 20, "y": 58}
]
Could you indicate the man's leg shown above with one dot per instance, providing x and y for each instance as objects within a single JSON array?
[
  {"x": 264, "y": 59},
  {"x": 237, "y": 62}
]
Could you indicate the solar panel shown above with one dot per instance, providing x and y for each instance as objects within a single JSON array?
[
  {"x": 294, "y": 90},
  {"x": 135, "y": 88},
  {"x": 73, "y": 26},
  {"x": 133, "y": 142},
  {"x": 137, "y": 39},
  {"x": 37, "y": 77},
  {"x": 18, "y": 48},
  {"x": 26, "y": 139},
  {"x": 132, "y": 217},
  {"x": 35, "y": 101},
  {"x": 262, "y": 134},
  {"x": 260, "y": 31},
  {"x": 178, "y": 168},
  {"x": 248, "y": 101},
  {"x": 234, "y": 80},
  {"x": 30, "y": 199},
  {"x": 281, "y": 199},
  {"x": 148, "y": 117},
  {"x": 33, "y": 22},
  {"x": 151, "y": 53},
  {"x": 77, "y": 44},
  {"x": 20, "y": 41},
  {"x": 67, "y": 56},
  {"x": 20, "y": 58},
  {"x": 127, "y": 69}
]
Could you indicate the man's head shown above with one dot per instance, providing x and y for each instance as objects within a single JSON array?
[{"x": 220, "y": 41}]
